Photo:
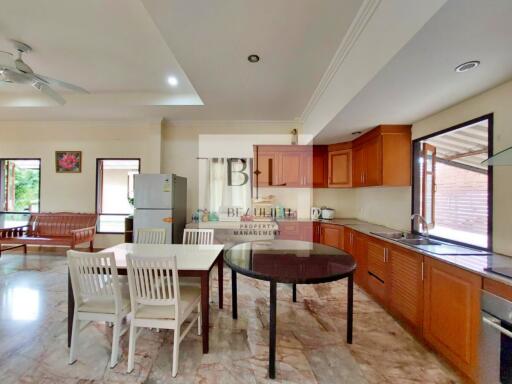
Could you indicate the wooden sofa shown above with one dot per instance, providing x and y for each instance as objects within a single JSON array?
[{"x": 61, "y": 228}]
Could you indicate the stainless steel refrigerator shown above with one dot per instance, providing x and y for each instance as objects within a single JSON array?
[{"x": 161, "y": 202}]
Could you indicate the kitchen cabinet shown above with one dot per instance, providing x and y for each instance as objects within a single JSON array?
[
  {"x": 317, "y": 232},
  {"x": 319, "y": 174},
  {"x": 331, "y": 235},
  {"x": 382, "y": 157},
  {"x": 266, "y": 172},
  {"x": 290, "y": 166},
  {"x": 296, "y": 230},
  {"x": 348, "y": 240},
  {"x": 406, "y": 286},
  {"x": 340, "y": 165},
  {"x": 359, "y": 251},
  {"x": 377, "y": 252},
  {"x": 306, "y": 229},
  {"x": 452, "y": 313}
]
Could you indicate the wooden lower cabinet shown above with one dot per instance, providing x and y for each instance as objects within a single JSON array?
[
  {"x": 406, "y": 286},
  {"x": 452, "y": 313},
  {"x": 331, "y": 235},
  {"x": 377, "y": 270},
  {"x": 359, "y": 252}
]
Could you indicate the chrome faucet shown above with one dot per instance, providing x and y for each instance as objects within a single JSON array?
[{"x": 423, "y": 222}]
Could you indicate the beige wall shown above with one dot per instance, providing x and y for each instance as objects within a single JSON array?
[
  {"x": 76, "y": 192},
  {"x": 181, "y": 146},
  {"x": 343, "y": 201},
  {"x": 497, "y": 101}
]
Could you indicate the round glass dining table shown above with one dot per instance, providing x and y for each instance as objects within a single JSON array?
[{"x": 292, "y": 262}]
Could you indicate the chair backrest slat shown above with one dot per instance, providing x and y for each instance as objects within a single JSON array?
[
  {"x": 94, "y": 276},
  {"x": 150, "y": 236},
  {"x": 198, "y": 236},
  {"x": 153, "y": 280}
]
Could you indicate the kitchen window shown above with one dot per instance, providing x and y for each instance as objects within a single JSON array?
[
  {"x": 20, "y": 190},
  {"x": 452, "y": 190},
  {"x": 114, "y": 192}
]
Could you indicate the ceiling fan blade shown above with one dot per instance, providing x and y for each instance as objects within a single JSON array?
[
  {"x": 13, "y": 76},
  {"x": 60, "y": 83},
  {"x": 46, "y": 90},
  {"x": 6, "y": 60}
]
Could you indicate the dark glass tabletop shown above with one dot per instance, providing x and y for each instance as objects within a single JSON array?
[{"x": 290, "y": 261}]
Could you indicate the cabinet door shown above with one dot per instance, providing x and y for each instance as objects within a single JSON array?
[
  {"x": 452, "y": 313},
  {"x": 331, "y": 235},
  {"x": 360, "y": 254},
  {"x": 406, "y": 285},
  {"x": 306, "y": 231},
  {"x": 317, "y": 235},
  {"x": 289, "y": 231},
  {"x": 291, "y": 169},
  {"x": 266, "y": 169},
  {"x": 319, "y": 168},
  {"x": 358, "y": 166},
  {"x": 348, "y": 240},
  {"x": 377, "y": 269},
  {"x": 340, "y": 168},
  {"x": 373, "y": 162}
]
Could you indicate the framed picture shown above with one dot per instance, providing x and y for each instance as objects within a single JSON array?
[{"x": 68, "y": 161}]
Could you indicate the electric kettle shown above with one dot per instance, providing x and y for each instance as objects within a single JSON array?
[{"x": 315, "y": 213}]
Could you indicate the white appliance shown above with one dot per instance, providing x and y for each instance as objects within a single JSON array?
[
  {"x": 160, "y": 202},
  {"x": 315, "y": 213},
  {"x": 327, "y": 213}
]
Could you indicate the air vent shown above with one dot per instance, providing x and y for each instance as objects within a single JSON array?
[{"x": 467, "y": 66}]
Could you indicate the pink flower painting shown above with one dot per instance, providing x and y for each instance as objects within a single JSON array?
[{"x": 68, "y": 161}]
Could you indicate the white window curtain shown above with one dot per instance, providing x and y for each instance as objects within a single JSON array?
[{"x": 221, "y": 195}]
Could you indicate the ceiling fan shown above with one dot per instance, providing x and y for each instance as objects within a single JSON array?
[{"x": 15, "y": 70}]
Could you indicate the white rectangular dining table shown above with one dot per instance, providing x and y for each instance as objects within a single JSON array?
[{"x": 192, "y": 260}]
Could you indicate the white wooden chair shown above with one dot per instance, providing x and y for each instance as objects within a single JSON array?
[
  {"x": 198, "y": 236},
  {"x": 150, "y": 236},
  {"x": 202, "y": 237},
  {"x": 99, "y": 296},
  {"x": 158, "y": 301}
]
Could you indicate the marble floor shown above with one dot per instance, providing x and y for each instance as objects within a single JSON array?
[{"x": 310, "y": 337}]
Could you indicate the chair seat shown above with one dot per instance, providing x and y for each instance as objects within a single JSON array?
[
  {"x": 190, "y": 295},
  {"x": 99, "y": 305},
  {"x": 42, "y": 240},
  {"x": 190, "y": 281}
]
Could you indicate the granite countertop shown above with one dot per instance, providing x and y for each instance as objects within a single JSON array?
[{"x": 472, "y": 263}]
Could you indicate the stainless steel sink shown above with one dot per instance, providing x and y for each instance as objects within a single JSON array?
[
  {"x": 433, "y": 246},
  {"x": 419, "y": 241}
]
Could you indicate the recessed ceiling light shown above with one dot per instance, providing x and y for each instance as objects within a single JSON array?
[
  {"x": 253, "y": 58},
  {"x": 467, "y": 66},
  {"x": 357, "y": 132},
  {"x": 173, "y": 82}
]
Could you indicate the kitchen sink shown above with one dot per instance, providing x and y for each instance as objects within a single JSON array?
[
  {"x": 426, "y": 244},
  {"x": 419, "y": 241}
]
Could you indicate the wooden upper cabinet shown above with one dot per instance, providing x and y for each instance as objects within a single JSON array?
[
  {"x": 452, "y": 313},
  {"x": 319, "y": 167},
  {"x": 383, "y": 157},
  {"x": 292, "y": 169},
  {"x": 266, "y": 171},
  {"x": 406, "y": 285},
  {"x": 291, "y": 166},
  {"x": 340, "y": 168}
]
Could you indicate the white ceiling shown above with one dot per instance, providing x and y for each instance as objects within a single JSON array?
[
  {"x": 420, "y": 80},
  {"x": 122, "y": 49}
]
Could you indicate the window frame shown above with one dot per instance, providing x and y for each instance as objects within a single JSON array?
[
  {"x": 416, "y": 179},
  {"x": 40, "y": 177},
  {"x": 98, "y": 160}
]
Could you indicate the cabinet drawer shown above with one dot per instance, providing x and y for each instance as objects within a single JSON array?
[
  {"x": 377, "y": 259},
  {"x": 376, "y": 287}
]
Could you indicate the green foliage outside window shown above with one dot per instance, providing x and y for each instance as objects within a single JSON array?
[{"x": 27, "y": 189}]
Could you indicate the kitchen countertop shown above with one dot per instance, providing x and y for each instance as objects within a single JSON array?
[{"x": 475, "y": 263}]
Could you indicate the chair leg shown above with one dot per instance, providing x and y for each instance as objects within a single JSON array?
[
  {"x": 115, "y": 343},
  {"x": 91, "y": 246},
  {"x": 131, "y": 348},
  {"x": 176, "y": 351},
  {"x": 74, "y": 338},
  {"x": 25, "y": 249},
  {"x": 199, "y": 319}
]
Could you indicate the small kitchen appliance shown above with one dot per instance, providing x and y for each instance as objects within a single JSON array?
[
  {"x": 316, "y": 213},
  {"x": 327, "y": 213}
]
